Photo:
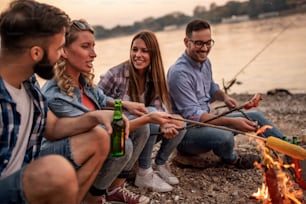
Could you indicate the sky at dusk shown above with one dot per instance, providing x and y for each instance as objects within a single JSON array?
[{"x": 110, "y": 13}]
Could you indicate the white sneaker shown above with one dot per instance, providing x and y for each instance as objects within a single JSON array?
[
  {"x": 165, "y": 173},
  {"x": 153, "y": 182}
]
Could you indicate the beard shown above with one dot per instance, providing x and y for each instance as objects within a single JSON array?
[{"x": 44, "y": 68}]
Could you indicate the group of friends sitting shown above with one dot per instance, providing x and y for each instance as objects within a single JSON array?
[{"x": 55, "y": 138}]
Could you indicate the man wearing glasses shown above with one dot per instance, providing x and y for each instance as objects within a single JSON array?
[{"x": 192, "y": 89}]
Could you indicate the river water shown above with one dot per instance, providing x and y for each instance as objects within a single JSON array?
[{"x": 262, "y": 55}]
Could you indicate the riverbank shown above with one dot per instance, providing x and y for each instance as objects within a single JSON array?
[{"x": 222, "y": 185}]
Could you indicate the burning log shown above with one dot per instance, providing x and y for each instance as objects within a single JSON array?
[{"x": 272, "y": 184}]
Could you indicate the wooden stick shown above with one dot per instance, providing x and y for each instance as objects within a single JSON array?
[
  {"x": 247, "y": 105},
  {"x": 274, "y": 143},
  {"x": 218, "y": 127}
]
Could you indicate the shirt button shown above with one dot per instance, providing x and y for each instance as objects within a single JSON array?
[{"x": 5, "y": 161}]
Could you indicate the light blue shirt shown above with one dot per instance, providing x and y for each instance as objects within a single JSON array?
[{"x": 191, "y": 87}]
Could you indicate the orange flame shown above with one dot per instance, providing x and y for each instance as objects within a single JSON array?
[
  {"x": 286, "y": 188},
  {"x": 263, "y": 129}
]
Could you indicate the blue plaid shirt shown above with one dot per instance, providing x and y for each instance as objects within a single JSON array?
[{"x": 10, "y": 122}]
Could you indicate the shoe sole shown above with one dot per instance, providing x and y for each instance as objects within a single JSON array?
[
  {"x": 117, "y": 202},
  {"x": 150, "y": 189}
]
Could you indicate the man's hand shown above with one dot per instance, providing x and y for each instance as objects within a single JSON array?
[
  {"x": 105, "y": 117},
  {"x": 230, "y": 102},
  {"x": 244, "y": 124}
]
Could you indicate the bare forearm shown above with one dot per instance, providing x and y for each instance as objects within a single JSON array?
[
  {"x": 69, "y": 126},
  {"x": 219, "y": 95},
  {"x": 139, "y": 121},
  {"x": 226, "y": 121}
]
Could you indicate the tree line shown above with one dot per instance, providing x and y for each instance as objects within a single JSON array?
[{"x": 214, "y": 14}]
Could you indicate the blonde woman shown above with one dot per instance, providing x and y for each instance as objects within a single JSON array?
[{"x": 72, "y": 92}]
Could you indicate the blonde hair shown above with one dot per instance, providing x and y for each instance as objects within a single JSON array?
[
  {"x": 64, "y": 81},
  {"x": 156, "y": 80}
]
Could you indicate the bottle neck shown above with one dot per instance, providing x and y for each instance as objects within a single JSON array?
[{"x": 118, "y": 110}]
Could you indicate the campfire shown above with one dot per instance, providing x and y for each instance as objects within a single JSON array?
[{"x": 279, "y": 183}]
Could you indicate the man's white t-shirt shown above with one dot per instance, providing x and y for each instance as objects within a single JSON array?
[{"x": 24, "y": 105}]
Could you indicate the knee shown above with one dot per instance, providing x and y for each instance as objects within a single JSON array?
[
  {"x": 255, "y": 115},
  {"x": 141, "y": 133},
  {"x": 227, "y": 140},
  {"x": 144, "y": 131},
  {"x": 55, "y": 172},
  {"x": 101, "y": 140}
]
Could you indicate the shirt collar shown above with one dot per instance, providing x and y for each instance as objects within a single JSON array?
[{"x": 194, "y": 64}]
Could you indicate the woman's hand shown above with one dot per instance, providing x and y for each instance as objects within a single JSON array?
[
  {"x": 178, "y": 123},
  {"x": 135, "y": 108},
  {"x": 169, "y": 130},
  {"x": 160, "y": 118}
]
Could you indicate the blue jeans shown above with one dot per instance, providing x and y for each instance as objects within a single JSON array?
[
  {"x": 121, "y": 166},
  {"x": 260, "y": 118},
  {"x": 11, "y": 188},
  {"x": 166, "y": 148},
  {"x": 112, "y": 167},
  {"x": 203, "y": 139}
]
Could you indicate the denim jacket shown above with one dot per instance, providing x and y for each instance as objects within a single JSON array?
[{"x": 63, "y": 105}]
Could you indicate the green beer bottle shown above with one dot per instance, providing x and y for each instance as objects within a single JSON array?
[{"x": 117, "y": 138}]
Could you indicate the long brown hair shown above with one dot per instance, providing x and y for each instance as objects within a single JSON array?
[
  {"x": 156, "y": 80},
  {"x": 64, "y": 80}
]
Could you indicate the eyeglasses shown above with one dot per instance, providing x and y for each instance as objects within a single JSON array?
[
  {"x": 199, "y": 43},
  {"x": 82, "y": 26}
]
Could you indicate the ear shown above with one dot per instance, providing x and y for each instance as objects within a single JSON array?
[
  {"x": 36, "y": 53},
  {"x": 64, "y": 53},
  {"x": 186, "y": 41}
]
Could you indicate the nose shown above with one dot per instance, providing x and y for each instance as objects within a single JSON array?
[
  {"x": 93, "y": 53},
  {"x": 204, "y": 48},
  {"x": 138, "y": 53}
]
